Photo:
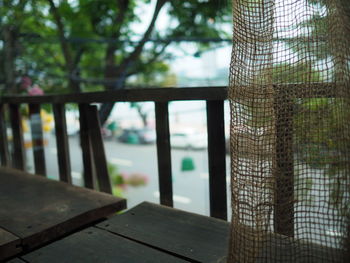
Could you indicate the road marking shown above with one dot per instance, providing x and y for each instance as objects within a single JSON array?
[
  {"x": 122, "y": 162},
  {"x": 76, "y": 175},
  {"x": 177, "y": 198}
]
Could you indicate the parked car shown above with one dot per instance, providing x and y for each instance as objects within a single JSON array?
[
  {"x": 196, "y": 141},
  {"x": 138, "y": 136}
]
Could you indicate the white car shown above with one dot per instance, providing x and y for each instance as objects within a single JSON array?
[{"x": 196, "y": 141}]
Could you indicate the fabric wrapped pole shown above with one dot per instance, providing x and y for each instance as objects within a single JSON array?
[{"x": 290, "y": 131}]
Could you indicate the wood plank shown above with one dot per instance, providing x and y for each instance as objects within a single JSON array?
[
  {"x": 196, "y": 237},
  {"x": 38, "y": 209},
  {"x": 15, "y": 260},
  {"x": 4, "y": 150},
  {"x": 85, "y": 142},
  {"x": 284, "y": 190},
  {"x": 164, "y": 154},
  {"x": 18, "y": 158},
  {"x": 96, "y": 245},
  {"x": 37, "y": 139},
  {"x": 205, "y": 239},
  {"x": 9, "y": 244},
  {"x": 217, "y": 159},
  {"x": 149, "y": 94},
  {"x": 98, "y": 150},
  {"x": 315, "y": 90},
  {"x": 63, "y": 155}
]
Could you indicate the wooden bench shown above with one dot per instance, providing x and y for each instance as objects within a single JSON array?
[{"x": 35, "y": 210}]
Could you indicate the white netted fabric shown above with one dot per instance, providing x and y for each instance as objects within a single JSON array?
[{"x": 290, "y": 131}]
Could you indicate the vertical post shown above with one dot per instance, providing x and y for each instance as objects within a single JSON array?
[
  {"x": 284, "y": 192},
  {"x": 63, "y": 157},
  {"x": 37, "y": 139},
  {"x": 164, "y": 154},
  {"x": 98, "y": 151},
  {"x": 86, "y": 147},
  {"x": 4, "y": 151},
  {"x": 217, "y": 159},
  {"x": 18, "y": 158}
]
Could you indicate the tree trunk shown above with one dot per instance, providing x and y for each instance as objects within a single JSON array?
[
  {"x": 143, "y": 116},
  {"x": 107, "y": 108},
  {"x": 9, "y": 36},
  {"x": 105, "y": 111},
  {"x": 73, "y": 82}
]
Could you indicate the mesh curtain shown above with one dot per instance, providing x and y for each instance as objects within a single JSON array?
[{"x": 290, "y": 131}]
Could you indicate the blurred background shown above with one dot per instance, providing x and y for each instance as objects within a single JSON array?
[{"x": 73, "y": 46}]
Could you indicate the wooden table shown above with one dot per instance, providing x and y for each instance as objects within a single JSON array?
[
  {"x": 158, "y": 234},
  {"x": 146, "y": 233},
  {"x": 35, "y": 210}
]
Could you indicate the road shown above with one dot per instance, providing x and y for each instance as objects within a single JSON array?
[{"x": 190, "y": 189}]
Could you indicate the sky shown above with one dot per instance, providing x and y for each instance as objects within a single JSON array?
[{"x": 185, "y": 63}]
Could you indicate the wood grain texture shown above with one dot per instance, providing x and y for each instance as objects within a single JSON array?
[
  {"x": 63, "y": 155},
  {"x": 85, "y": 142},
  {"x": 96, "y": 245},
  {"x": 38, "y": 209},
  {"x": 18, "y": 156},
  {"x": 37, "y": 139},
  {"x": 98, "y": 150},
  {"x": 217, "y": 159},
  {"x": 284, "y": 190},
  {"x": 164, "y": 154},
  {"x": 196, "y": 237},
  {"x": 4, "y": 150},
  {"x": 9, "y": 244},
  {"x": 15, "y": 260},
  {"x": 149, "y": 94},
  {"x": 315, "y": 90}
]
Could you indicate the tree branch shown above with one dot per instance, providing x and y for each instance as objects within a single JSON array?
[
  {"x": 63, "y": 41},
  {"x": 112, "y": 46},
  {"x": 138, "y": 49},
  {"x": 150, "y": 61},
  {"x": 78, "y": 56}
]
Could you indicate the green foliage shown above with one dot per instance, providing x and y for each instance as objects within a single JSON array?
[
  {"x": 294, "y": 73},
  {"x": 54, "y": 63},
  {"x": 121, "y": 181},
  {"x": 114, "y": 174},
  {"x": 320, "y": 124}
]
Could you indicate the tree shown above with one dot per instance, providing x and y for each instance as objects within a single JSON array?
[
  {"x": 320, "y": 124},
  {"x": 85, "y": 63},
  {"x": 15, "y": 17}
]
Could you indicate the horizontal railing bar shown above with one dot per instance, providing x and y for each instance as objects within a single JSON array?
[
  {"x": 148, "y": 94},
  {"x": 314, "y": 90}
]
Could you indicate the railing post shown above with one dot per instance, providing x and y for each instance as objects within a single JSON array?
[
  {"x": 85, "y": 142},
  {"x": 98, "y": 151},
  {"x": 18, "y": 159},
  {"x": 4, "y": 151},
  {"x": 217, "y": 159},
  {"x": 284, "y": 191},
  {"x": 164, "y": 153},
  {"x": 63, "y": 156},
  {"x": 37, "y": 139}
]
